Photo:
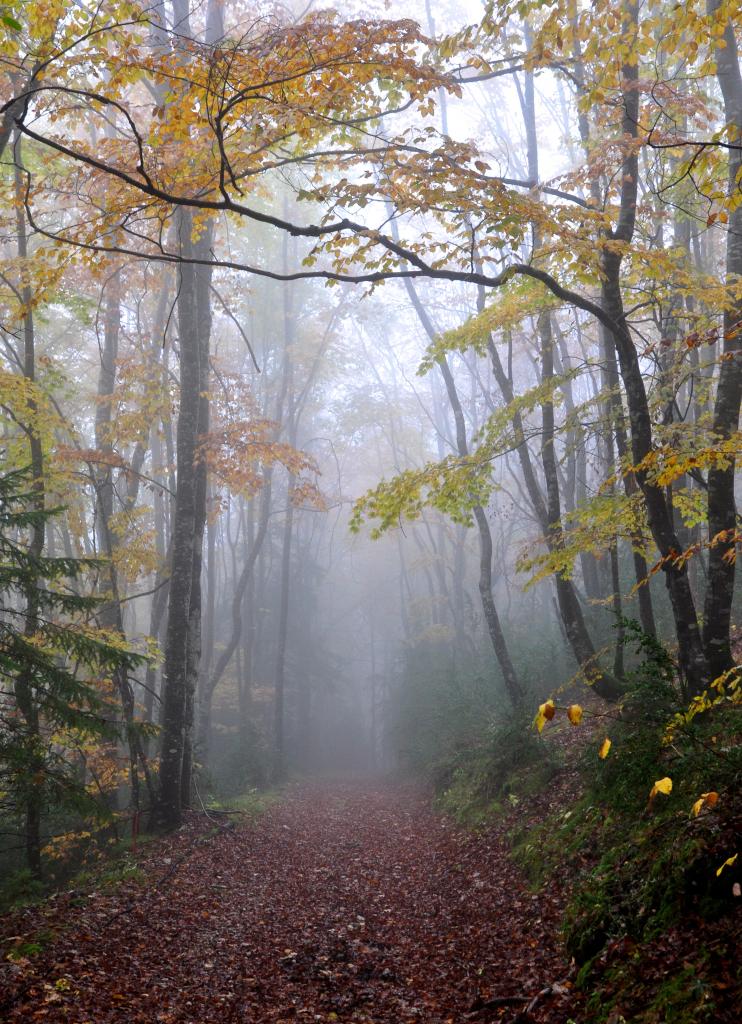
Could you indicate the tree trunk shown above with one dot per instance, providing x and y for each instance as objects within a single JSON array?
[
  {"x": 491, "y": 617},
  {"x": 722, "y": 512},
  {"x": 692, "y": 657},
  {"x": 175, "y": 670},
  {"x": 202, "y": 248},
  {"x": 110, "y": 614},
  {"x": 23, "y": 685}
]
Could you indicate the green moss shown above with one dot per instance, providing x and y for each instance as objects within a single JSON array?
[
  {"x": 685, "y": 996},
  {"x": 559, "y": 843}
]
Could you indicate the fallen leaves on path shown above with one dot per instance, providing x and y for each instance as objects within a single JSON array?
[{"x": 345, "y": 904}]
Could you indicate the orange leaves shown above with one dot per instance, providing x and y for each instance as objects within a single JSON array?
[
  {"x": 239, "y": 451},
  {"x": 666, "y": 463},
  {"x": 709, "y": 800},
  {"x": 307, "y": 494},
  {"x": 92, "y": 456}
]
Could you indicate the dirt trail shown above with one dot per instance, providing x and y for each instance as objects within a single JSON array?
[{"x": 348, "y": 904}]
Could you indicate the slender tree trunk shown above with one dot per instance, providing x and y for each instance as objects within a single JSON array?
[
  {"x": 646, "y": 612},
  {"x": 570, "y": 610},
  {"x": 253, "y": 548},
  {"x": 722, "y": 512},
  {"x": 279, "y": 754},
  {"x": 691, "y": 652},
  {"x": 23, "y": 684},
  {"x": 175, "y": 671},
  {"x": 110, "y": 614},
  {"x": 202, "y": 248},
  {"x": 491, "y": 617}
]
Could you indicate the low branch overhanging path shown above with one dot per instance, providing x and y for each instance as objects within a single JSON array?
[{"x": 347, "y": 903}]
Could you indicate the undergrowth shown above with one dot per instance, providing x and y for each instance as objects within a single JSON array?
[
  {"x": 645, "y": 874},
  {"x": 510, "y": 763},
  {"x": 111, "y": 860}
]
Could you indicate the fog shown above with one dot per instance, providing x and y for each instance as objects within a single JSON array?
[{"x": 413, "y": 523}]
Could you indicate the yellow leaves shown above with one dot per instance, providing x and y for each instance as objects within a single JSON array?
[
  {"x": 666, "y": 464},
  {"x": 728, "y": 690},
  {"x": 663, "y": 786},
  {"x": 604, "y": 749},
  {"x": 709, "y": 799},
  {"x": 512, "y": 304},
  {"x": 728, "y": 863},
  {"x": 61, "y": 845},
  {"x": 546, "y": 712},
  {"x": 574, "y": 714}
]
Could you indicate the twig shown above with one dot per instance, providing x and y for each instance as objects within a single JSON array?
[
  {"x": 480, "y": 1006},
  {"x": 555, "y": 988}
]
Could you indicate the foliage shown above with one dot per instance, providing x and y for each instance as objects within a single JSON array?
[
  {"x": 456, "y": 484},
  {"x": 645, "y": 842},
  {"x": 57, "y": 707}
]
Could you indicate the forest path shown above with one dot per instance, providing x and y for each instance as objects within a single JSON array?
[{"x": 348, "y": 903}]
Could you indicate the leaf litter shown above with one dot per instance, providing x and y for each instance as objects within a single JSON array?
[{"x": 348, "y": 903}]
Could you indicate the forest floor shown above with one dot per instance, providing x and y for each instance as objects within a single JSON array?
[{"x": 346, "y": 903}]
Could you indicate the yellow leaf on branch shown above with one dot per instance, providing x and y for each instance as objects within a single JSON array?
[
  {"x": 546, "y": 712},
  {"x": 574, "y": 714},
  {"x": 604, "y": 749}
]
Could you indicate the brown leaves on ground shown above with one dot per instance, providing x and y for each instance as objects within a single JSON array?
[{"x": 348, "y": 904}]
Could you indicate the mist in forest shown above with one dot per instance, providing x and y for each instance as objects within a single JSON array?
[
  {"x": 350, "y": 499},
  {"x": 370, "y": 381}
]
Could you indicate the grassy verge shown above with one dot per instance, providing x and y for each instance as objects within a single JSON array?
[{"x": 249, "y": 805}]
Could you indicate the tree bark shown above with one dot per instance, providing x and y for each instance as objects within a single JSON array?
[
  {"x": 23, "y": 684},
  {"x": 175, "y": 670},
  {"x": 691, "y": 653},
  {"x": 722, "y": 512}
]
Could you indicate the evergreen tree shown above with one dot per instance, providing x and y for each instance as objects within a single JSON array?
[{"x": 53, "y": 665}]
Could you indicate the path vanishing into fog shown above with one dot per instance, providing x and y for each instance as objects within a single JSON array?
[{"x": 348, "y": 903}]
